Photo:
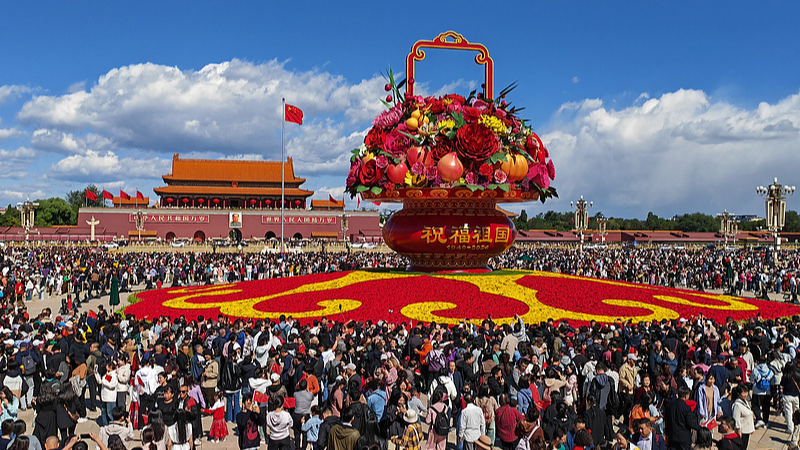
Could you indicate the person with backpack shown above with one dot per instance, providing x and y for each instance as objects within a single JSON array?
[
  {"x": 28, "y": 362},
  {"x": 762, "y": 378},
  {"x": 230, "y": 382},
  {"x": 489, "y": 406},
  {"x": 603, "y": 389},
  {"x": 528, "y": 430},
  {"x": 436, "y": 361},
  {"x": 92, "y": 367},
  {"x": 438, "y": 422}
]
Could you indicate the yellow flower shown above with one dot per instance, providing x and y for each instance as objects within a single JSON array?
[
  {"x": 415, "y": 180},
  {"x": 367, "y": 157},
  {"x": 446, "y": 125},
  {"x": 493, "y": 123}
]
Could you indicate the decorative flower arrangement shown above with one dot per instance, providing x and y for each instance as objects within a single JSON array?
[
  {"x": 450, "y": 141},
  {"x": 534, "y": 296}
]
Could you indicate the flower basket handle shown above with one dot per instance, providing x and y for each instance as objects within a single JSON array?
[{"x": 450, "y": 40}]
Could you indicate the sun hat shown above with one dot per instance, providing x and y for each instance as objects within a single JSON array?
[
  {"x": 484, "y": 442},
  {"x": 411, "y": 416}
]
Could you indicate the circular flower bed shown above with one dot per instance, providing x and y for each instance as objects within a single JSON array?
[{"x": 447, "y": 298}]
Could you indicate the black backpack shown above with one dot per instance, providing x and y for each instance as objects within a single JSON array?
[
  {"x": 441, "y": 425},
  {"x": 28, "y": 364},
  {"x": 102, "y": 361},
  {"x": 231, "y": 377},
  {"x": 333, "y": 370}
]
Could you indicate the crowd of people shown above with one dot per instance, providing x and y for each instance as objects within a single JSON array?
[
  {"x": 290, "y": 385},
  {"x": 47, "y": 271}
]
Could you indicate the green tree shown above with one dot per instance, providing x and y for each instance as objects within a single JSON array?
[
  {"x": 697, "y": 222},
  {"x": 55, "y": 211},
  {"x": 10, "y": 218},
  {"x": 77, "y": 199},
  {"x": 792, "y": 222}
]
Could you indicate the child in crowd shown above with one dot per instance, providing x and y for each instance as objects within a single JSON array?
[
  {"x": 219, "y": 428},
  {"x": 311, "y": 427}
]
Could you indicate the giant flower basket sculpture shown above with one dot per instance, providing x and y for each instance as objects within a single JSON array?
[{"x": 450, "y": 160}]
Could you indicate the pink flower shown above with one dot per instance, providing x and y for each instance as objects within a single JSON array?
[
  {"x": 396, "y": 143},
  {"x": 480, "y": 105},
  {"x": 538, "y": 175},
  {"x": 471, "y": 178},
  {"x": 551, "y": 170},
  {"x": 417, "y": 168},
  {"x": 388, "y": 118},
  {"x": 382, "y": 161},
  {"x": 352, "y": 175},
  {"x": 500, "y": 177},
  {"x": 453, "y": 108},
  {"x": 431, "y": 172}
]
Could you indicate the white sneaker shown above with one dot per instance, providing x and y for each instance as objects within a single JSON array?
[
  {"x": 760, "y": 424},
  {"x": 83, "y": 420}
]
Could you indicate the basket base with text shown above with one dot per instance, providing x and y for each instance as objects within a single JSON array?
[{"x": 398, "y": 296}]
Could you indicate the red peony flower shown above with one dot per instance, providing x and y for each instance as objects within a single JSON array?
[
  {"x": 475, "y": 142},
  {"x": 396, "y": 143},
  {"x": 370, "y": 173},
  {"x": 436, "y": 106},
  {"x": 471, "y": 114},
  {"x": 375, "y": 138},
  {"x": 443, "y": 147},
  {"x": 471, "y": 178},
  {"x": 417, "y": 168},
  {"x": 455, "y": 98},
  {"x": 485, "y": 170}
]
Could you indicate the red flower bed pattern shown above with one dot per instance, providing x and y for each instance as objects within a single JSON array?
[{"x": 447, "y": 298}]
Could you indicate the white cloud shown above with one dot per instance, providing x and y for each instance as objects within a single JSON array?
[
  {"x": 8, "y": 133},
  {"x": 8, "y": 92},
  {"x": 20, "y": 196},
  {"x": 576, "y": 80},
  {"x": 231, "y": 107},
  {"x": 94, "y": 166},
  {"x": 56, "y": 141},
  {"x": 681, "y": 152},
  {"x": 20, "y": 154},
  {"x": 323, "y": 149}
]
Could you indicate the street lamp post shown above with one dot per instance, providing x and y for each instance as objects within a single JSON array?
[
  {"x": 775, "y": 199},
  {"x": 26, "y": 210},
  {"x": 602, "y": 221},
  {"x": 581, "y": 216},
  {"x": 728, "y": 226}
]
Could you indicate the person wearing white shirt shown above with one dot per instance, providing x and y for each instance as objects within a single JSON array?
[{"x": 472, "y": 425}]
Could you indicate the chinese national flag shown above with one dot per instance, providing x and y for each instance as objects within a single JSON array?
[
  {"x": 91, "y": 195},
  {"x": 331, "y": 199},
  {"x": 139, "y": 195},
  {"x": 293, "y": 114},
  {"x": 123, "y": 195},
  {"x": 107, "y": 195},
  {"x": 258, "y": 397}
]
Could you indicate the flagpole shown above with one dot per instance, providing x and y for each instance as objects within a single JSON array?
[{"x": 283, "y": 168}]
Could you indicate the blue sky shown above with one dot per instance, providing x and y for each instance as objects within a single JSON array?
[{"x": 670, "y": 108}]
